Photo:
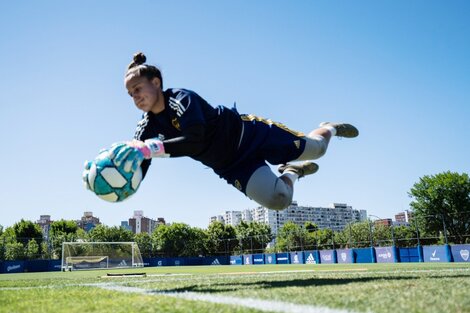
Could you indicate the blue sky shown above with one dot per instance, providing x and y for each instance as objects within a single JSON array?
[{"x": 398, "y": 70}]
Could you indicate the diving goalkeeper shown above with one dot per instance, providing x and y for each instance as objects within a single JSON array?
[{"x": 238, "y": 147}]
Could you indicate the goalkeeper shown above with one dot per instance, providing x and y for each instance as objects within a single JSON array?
[{"x": 178, "y": 122}]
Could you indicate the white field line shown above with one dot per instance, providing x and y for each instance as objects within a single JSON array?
[{"x": 258, "y": 304}]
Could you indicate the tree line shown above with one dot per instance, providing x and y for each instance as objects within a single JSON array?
[{"x": 441, "y": 214}]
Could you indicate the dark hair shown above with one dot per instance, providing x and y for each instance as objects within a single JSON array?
[{"x": 138, "y": 68}]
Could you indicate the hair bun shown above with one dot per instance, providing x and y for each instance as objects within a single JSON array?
[{"x": 139, "y": 58}]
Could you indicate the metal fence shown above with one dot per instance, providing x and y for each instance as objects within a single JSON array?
[{"x": 429, "y": 230}]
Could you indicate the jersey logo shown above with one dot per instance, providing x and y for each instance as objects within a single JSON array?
[
  {"x": 237, "y": 184},
  {"x": 141, "y": 127},
  {"x": 175, "y": 123},
  {"x": 175, "y": 103},
  {"x": 297, "y": 144}
]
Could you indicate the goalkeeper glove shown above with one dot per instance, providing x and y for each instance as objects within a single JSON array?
[
  {"x": 85, "y": 173},
  {"x": 133, "y": 153}
]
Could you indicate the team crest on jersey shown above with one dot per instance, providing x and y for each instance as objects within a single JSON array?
[
  {"x": 237, "y": 184},
  {"x": 297, "y": 144},
  {"x": 176, "y": 124}
]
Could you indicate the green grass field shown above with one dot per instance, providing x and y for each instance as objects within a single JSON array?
[{"x": 443, "y": 287}]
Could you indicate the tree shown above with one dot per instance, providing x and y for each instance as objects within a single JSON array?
[
  {"x": 16, "y": 238},
  {"x": 361, "y": 234},
  {"x": 144, "y": 242},
  {"x": 179, "y": 239},
  {"x": 253, "y": 236},
  {"x": 443, "y": 201},
  {"x": 23, "y": 231},
  {"x": 405, "y": 236},
  {"x": 321, "y": 238},
  {"x": 63, "y": 226},
  {"x": 310, "y": 226},
  {"x": 63, "y": 231},
  {"x": 221, "y": 238},
  {"x": 291, "y": 237},
  {"x": 32, "y": 250},
  {"x": 14, "y": 251},
  {"x": 103, "y": 233}
]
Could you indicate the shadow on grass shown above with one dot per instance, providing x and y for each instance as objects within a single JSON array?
[
  {"x": 269, "y": 284},
  {"x": 220, "y": 287}
]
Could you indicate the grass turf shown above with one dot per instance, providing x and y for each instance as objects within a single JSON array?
[{"x": 402, "y": 287}]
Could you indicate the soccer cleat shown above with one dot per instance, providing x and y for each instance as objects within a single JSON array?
[
  {"x": 342, "y": 129},
  {"x": 302, "y": 169}
]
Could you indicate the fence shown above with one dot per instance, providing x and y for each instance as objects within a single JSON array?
[{"x": 430, "y": 230}]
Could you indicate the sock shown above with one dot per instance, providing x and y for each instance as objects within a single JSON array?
[
  {"x": 291, "y": 175},
  {"x": 331, "y": 129}
]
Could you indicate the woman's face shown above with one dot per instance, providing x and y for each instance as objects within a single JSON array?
[{"x": 147, "y": 94}]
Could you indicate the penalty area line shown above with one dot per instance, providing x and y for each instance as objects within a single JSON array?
[{"x": 258, "y": 304}]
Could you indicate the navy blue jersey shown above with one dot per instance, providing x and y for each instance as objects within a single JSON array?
[
  {"x": 189, "y": 126},
  {"x": 233, "y": 145}
]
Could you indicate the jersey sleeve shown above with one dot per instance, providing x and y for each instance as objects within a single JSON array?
[{"x": 187, "y": 106}]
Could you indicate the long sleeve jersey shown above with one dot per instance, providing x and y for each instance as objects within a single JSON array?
[{"x": 189, "y": 126}]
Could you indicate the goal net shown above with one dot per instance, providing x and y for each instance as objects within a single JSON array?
[{"x": 100, "y": 255}]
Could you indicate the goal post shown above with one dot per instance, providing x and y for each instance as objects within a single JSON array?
[{"x": 100, "y": 255}]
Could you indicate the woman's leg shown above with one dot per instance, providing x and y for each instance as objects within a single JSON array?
[
  {"x": 316, "y": 144},
  {"x": 317, "y": 141},
  {"x": 269, "y": 190}
]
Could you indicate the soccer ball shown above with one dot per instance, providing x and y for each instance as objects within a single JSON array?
[{"x": 112, "y": 183}]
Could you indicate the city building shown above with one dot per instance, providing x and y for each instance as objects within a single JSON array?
[
  {"x": 45, "y": 223},
  {"x": 383, "y": 221},
  {"x": 403, "y": 218},
  {"x": 88, "y": 221},
  {"x": 233, "y": 217},
  {"x": 217, "y": 218},
  {"x": 336, "y": 217},
  {"x": 139, "y": 223},
  {"x": 125, "y": 225}
]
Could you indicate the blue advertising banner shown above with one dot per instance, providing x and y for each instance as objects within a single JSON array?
[
  {"x": 327, "y": 256},
  {"x": 156, "y": 262},
  {"x": 13, "y": 267},
  {"x": 258, "y": 259},
  {"x": 270, "y": 258},
  {"x": 36, "y": 265},
  {"x": 345, "y": 255},
  {"x": 435, "y": 254},
  {"x": 55, "y": 265},
  {"x": 297, "y": 258},
  {"x": 364, "y": 255},
  {"x": 460, "y": 253},
  {"x": 310, "y": 257},
  {"x": 219, "y": 260},
  {"x": 409, "y": 254},
  {"x": 247, "y": 259},
  {"x": 385, "y": 254},
  {"x": 236, "y": 260},
  {"x": 282, "y": 258}
]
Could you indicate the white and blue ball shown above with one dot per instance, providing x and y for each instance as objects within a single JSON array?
[{"x": 111, "y": 182}]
